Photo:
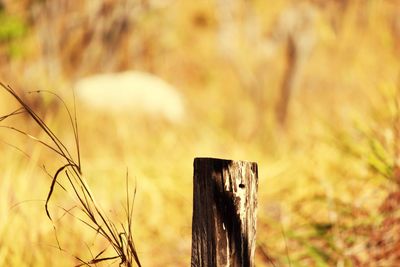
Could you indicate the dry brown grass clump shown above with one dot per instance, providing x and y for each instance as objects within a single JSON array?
[{"x": 69, "y": 178}]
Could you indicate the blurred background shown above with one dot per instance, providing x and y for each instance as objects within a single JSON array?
[{"x": 307, "y": 89}]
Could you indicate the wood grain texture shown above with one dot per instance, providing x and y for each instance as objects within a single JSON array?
[{"x": 224, "y": 213}]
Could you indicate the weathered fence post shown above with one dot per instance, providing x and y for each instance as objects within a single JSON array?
[{"x": 224, "y": 213}]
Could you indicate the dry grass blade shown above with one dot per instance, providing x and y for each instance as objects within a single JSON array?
[
  {"x": 15, "y": 112},
  {"x": 73, "y": 120},
  {"x": 98, "y": 260},
  {"x": 53, "y": 183},
  {"x": 28, "y": 156},
  {"x": 60, "y": 147},
  {"x": 33, "y": 138},
  {"x": 120, "y": 240}
]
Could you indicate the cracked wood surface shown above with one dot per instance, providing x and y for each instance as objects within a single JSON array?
[{"x": 224, "y": 213}]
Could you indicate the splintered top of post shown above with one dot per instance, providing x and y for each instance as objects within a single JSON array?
[{"x": 208, "y": 159}]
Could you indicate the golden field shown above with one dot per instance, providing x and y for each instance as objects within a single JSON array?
[{"x": 329, "y": 176}]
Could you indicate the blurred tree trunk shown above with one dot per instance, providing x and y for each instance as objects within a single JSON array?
[
  {"x": 295, "y": 28},
  {"x": 290, "y": 80}
]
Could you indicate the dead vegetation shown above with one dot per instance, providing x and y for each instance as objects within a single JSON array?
[
  {"x": 69, "y": 178},
  {"x": 328, "y": 179}
]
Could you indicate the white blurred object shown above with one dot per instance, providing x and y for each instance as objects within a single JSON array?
[{"x": 131, "y": 92}]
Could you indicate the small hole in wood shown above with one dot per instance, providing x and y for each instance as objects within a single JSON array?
[{"x": 241, "y": 186}]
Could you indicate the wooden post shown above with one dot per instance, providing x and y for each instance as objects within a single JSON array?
[{"x": 224, "y": 213}]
